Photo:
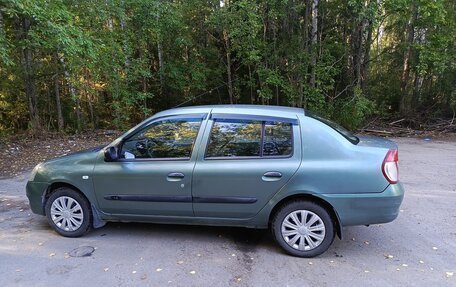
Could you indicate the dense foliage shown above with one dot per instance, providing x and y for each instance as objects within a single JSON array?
[{"x": 69, "y": 65}]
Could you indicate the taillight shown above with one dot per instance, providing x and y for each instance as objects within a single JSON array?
[{"x": 389, "y": 167}]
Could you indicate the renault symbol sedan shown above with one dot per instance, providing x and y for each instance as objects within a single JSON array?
[{"x": 282, "y": 168}]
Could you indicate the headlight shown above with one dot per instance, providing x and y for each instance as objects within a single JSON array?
[{"x": 34, "y": 171}]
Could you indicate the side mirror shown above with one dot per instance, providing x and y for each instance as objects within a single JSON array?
[{"x": 111, "y": 154}]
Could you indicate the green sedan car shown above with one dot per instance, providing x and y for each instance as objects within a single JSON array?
[{"x": 281, "y": 168}]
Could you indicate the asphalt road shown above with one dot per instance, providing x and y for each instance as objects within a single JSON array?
[{"x": 417, "y": 249}]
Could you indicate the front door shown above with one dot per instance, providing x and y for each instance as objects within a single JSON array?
[
  {"x": 154, "y": 174},
  {"x": 247, "y": 160}
]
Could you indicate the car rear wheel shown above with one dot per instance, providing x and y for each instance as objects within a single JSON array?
[
  {"x": 68, "y": 212},
  {"x": 303, "y": 228}
]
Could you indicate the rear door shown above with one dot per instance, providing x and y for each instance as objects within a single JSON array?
[{"x": 246, "y": 160}]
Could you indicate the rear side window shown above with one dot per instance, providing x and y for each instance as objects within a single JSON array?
[{"x": 249, "y": 138}]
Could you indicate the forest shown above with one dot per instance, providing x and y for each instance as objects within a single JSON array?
[{"x": 74, "y": 65}]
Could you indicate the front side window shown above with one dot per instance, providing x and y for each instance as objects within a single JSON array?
[
  {"x": 169, "y": 138},
  {"x": 250, "y": 138}
]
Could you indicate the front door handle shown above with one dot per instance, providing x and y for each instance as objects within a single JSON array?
[
  {"x": 175, "y": 176},
  {"x": 272, "y": 176}
]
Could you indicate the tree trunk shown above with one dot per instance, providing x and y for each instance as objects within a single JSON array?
[
  {"x": 313, "y": 43},
  {"x": 2, "y": 33},
  {"x": 72, "y": 90},
  {"x": 252, "y": 97},
  {"x": 356, "y": 53},
  {"x": 366, "y": 58},
  {"x": 161, "y": 67},
  {"x": 29, "y": 77},
  {"x": 58, "y": 105},
  {"x": 226, "y": 40},
  {"x": 405, "y": 104},
  {"x": 123, "y": 27}
]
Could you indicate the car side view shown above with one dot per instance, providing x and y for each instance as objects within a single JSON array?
[{"x": 281, "y": 168}]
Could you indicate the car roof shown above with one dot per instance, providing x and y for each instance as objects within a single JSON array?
[{"x": 235, "y": 109}]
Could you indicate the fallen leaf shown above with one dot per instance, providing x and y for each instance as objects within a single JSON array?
[
  {"x": 366, "y": 242},
  {"x": 199, "y": 255},
  {"x": 353, "y": 239},
  {"x": 398, "y": 269},
  {"x": 449, "y": 274},
  {"x": 106, "y": 269},
  {"x": 239, "y": 279},
  {"x": 180, "y": 262},
  {"x": 159, "y": 269},
  {"x": 51, "y": 254},
  {"x": 19, "y": 270},
  {"x": 366, "y": 271},
  {"x": 404, "y": 265},
  {"x": 193, "y": 272},
  {"x": 134, "y": 272},
  {"x": 40, "y": 243},
  {"x": 234, "y": 255},
  {"x": 421, "y": 261},
  {"x": 434, "y": 248},
  {"x": 310, "y": 263},
  {"x": 388, "y": 256}
]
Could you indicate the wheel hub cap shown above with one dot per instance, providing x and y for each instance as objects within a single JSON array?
[
  {"x": 67, "y": 213},
  {"x": 303, "y": 230}
]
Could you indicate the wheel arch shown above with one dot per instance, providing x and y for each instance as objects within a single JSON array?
[
  {"x": 59, "y": 184},
  {"x": 97, "y": 220},
  {"x": 312, "y": 198}
]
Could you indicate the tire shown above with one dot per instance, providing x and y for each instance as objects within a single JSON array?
[
  {"x": 69, "y": 223},
  {"x": 297, "y": 239}
]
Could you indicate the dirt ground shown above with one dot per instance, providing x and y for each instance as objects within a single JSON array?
[
  {"x": 417, "y": 249},
  {"x": 22, "y": 152}
]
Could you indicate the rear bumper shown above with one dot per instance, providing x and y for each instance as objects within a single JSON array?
[
  {"x": 35, "y": 194},
  {"x": 368, "y": 208}
]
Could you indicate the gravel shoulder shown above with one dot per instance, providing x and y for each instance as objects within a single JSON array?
[{"x": 417, "y": 249}]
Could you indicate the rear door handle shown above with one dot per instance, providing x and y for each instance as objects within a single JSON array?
[
  {"x": 175, "y": 176},
  {"x": 272, "y": 176}
]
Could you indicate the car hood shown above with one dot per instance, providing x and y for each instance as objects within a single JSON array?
[{"x": 371, "y": 141}]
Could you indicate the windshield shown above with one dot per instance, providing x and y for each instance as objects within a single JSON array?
[{"x": 346, "y": 133}]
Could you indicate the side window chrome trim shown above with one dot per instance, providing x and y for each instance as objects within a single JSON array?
[{"x": 262, "y": 118}]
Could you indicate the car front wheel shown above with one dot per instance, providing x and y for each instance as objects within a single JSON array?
[
  {"x": 303, "y": 228},
  {"x": 68, "y": 212}
]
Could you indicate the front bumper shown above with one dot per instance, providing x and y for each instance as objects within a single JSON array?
[
  {"x": 368, "y": 208},
  {"x": 35, "y": 194}
]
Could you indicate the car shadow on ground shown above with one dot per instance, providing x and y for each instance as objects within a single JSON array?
[{"x": 245, "y": 239}]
